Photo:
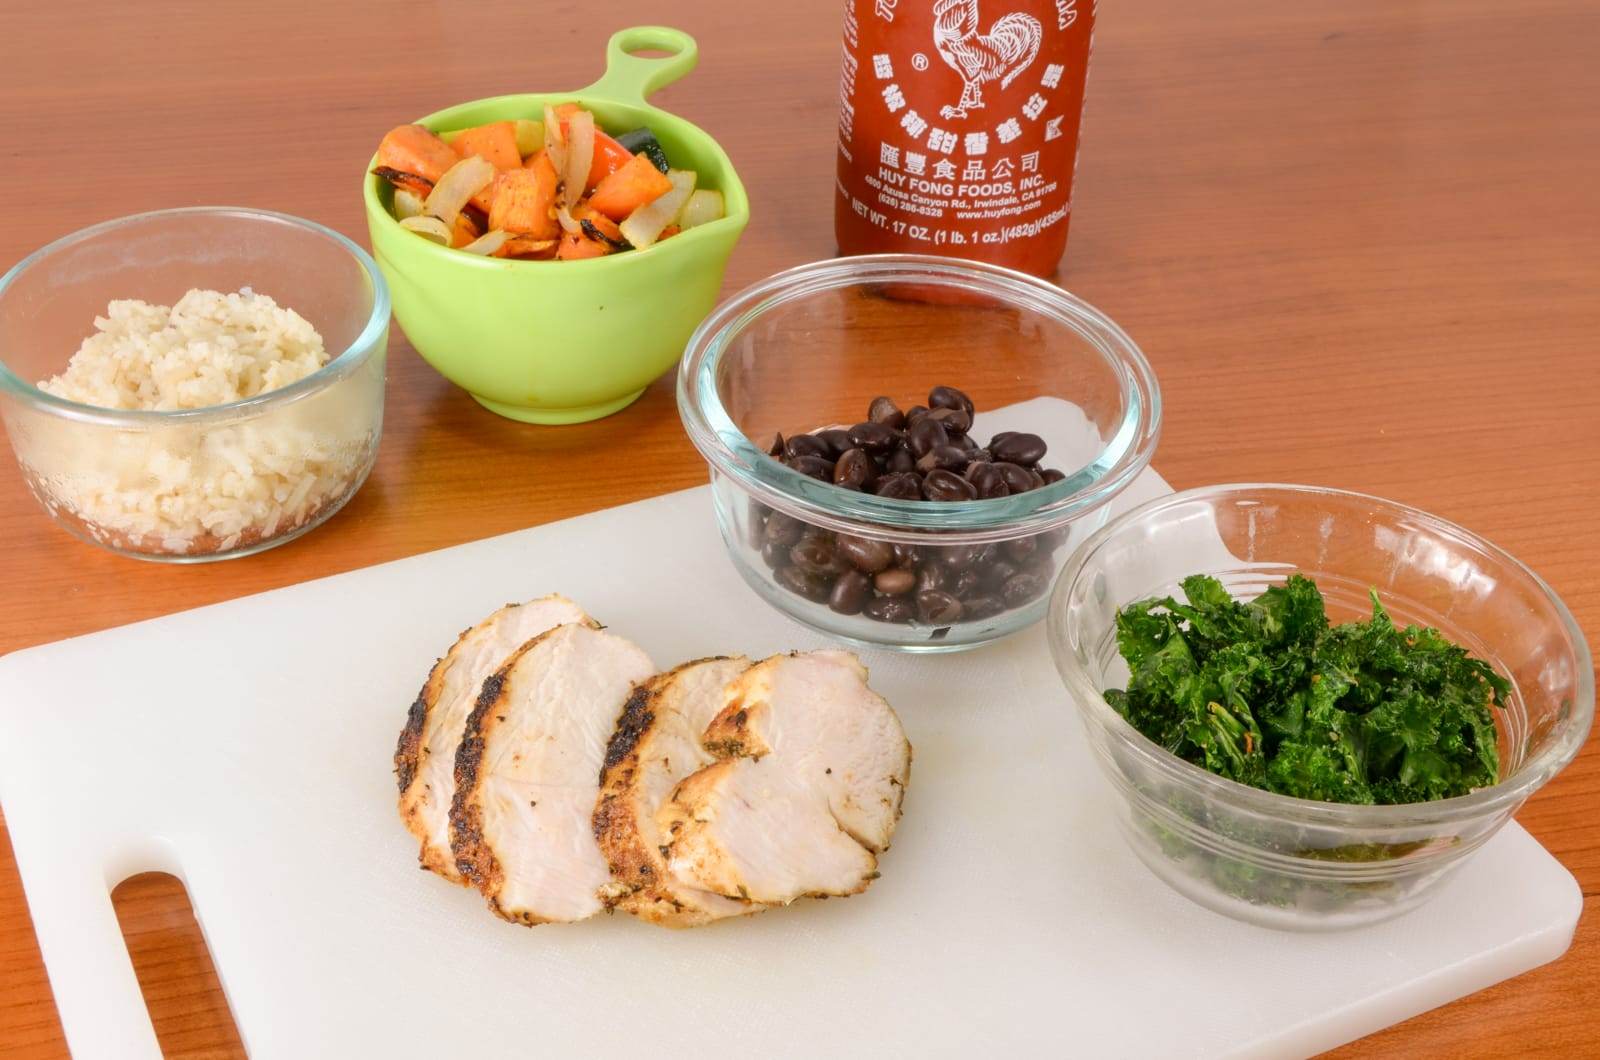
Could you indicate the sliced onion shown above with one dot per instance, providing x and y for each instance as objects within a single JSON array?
[
  {"x": 429, "y": 228},
  {"x": 569, "y": 223},
  {"x": 555, "y": 141},
  {"x": 704, "y": 205},
  {"x": 406, "y": 203},
  {"x": 645, "y": 225},
  {"x": 489, "y": 243},
  {"x": 457, "y": 187},
  {"x": 580, "y": 156}
]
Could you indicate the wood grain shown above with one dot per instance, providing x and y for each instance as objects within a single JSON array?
[{"x": 1358, "y": 243}]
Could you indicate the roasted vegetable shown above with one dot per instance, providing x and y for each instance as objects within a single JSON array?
[
  {"x": 466, "y": 180},
  {"x": 406, "y": 204},
  {"x": 645, "y": 225},
  {"x": 414, "y": 150},
  {"x": 530, "y": 136},
  {"x": 523, "y": 199},
  {"x": 527, "y": 247},
  {"x": 575, "y": 245},
  {"x": 1266, "y": 693},
  {"x": 556, "y": 188},
  {"x": 580, "y": 156},
  {"x": 642, "y": 141},
  {"x": 429, "y": 228},
  {"x": 496, "y": 143},
  {"x": 703, "y": 206},
  {"x": 609, "y": 156},
  {"x": 636, "y": 184},
  {"x": 409, "y": 182}
]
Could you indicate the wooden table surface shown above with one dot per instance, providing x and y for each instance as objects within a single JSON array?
[{"x": 1358, "y": 243}]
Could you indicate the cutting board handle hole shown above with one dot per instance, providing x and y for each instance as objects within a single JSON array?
[{"x": 167, "y": 948}]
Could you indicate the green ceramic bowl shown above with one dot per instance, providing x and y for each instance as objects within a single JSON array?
[{"x": 567, "y": 341}]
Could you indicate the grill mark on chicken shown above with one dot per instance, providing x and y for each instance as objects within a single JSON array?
[
  {"x": 474, "y": 859},
  {"x": 662, "y": 723},
  {"x": 636, "y": 718},
  {"x": 503, "y": 850},
  {"x": 408, "y": 751},
  {"x": 426, "y": 750}
]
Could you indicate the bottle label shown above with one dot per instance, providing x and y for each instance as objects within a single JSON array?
[{"x": 958, "y": 121}]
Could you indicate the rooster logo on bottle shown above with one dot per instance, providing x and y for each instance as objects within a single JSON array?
[{"x": 1005, "y": 51}]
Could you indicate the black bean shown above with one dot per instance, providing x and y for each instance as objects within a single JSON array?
[
  {"x": 1051, "y": 540},
  {"x": 775, "y": 554},
  {"x": 938, "y": 608},
  {"x": 895, "y": 581},
  {"x": 851, "y": 591},
  {"x": 1020, "y": 549},
  {"x": 926, "y": 434},
  {"x": 802, "y": 582},
  {"x": 1018, "y": 448},
  {"x": 776, "y": 448},
  {"x": 1021, "y": 588},
  {"x": 806, "y": 445},
  {"x": 1000, "y": 437},
  {"x": 948, "y": 397},
  {"x": 855, "y": 470},
  {"x": 997, "y": 573},
  {"x": 900, "y": 460},
  {"x": 1036, "y": 478},
  {"x": 901, "y": 485},
  {"x": 978, "y": 607},
  {"x": 890, "y": 609},
  {"x": 838, "y": 440},
  {"x": 943, "y": 457},
  {"x": 955, "y": 421},
  {"x": 915, "y": 413},
  {"x": 964, "y": 582},
  {"x": 783, "y": 529},
  {"x": 905, "y": 555},
  {"x": 947, "y": 486},
  {"x": 1052, "y": 475},
  {"x": 1016, "y": 477},
  {"x": 874, "y": 437},
  {"x": 864, "y": 554},
  {"x": 987, "y": 480},
  {"x": 883, "y": 410},
  {"x": 814, "y": 466},
  {"x": 967, "y": 444},
  {"x": 816, "y": 556},
  {"x": 957, "y": 557},
  {"x": 932, "y": 576}
]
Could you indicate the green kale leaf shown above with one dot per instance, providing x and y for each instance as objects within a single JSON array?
[{"x": 1266, "y": 692}]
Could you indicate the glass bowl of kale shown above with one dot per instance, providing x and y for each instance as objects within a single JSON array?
[{"x": 1314, "y": 705}]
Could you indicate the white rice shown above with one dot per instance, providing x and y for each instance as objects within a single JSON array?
[{"x": 185, "y": 489}]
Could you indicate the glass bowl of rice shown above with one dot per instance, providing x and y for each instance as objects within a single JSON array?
[{"x": 194, "y": 384}]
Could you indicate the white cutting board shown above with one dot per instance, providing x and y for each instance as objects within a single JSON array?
[{"x": 246, "y": 748}]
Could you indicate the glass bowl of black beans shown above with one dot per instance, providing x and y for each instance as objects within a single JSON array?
[{"x": 904, "y": 449}]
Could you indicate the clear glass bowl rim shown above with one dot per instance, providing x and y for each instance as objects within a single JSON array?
[
  {"x": 347, "y": 361},
  {"x": 729, "y": 452},
  {"x": 1483, "y": 803}
]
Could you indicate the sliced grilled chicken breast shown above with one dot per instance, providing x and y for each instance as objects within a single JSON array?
[
  {"x": 807, "y": 795},
  {"x": 425, "y": 759},
  {"x": 656, "y": 744},
  {"x": 527, "y": 774}
]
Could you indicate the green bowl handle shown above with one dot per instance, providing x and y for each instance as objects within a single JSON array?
[{"x": 631, "y": 78}]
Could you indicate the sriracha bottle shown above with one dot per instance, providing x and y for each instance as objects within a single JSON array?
[{"x": 958, "y": 127}]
